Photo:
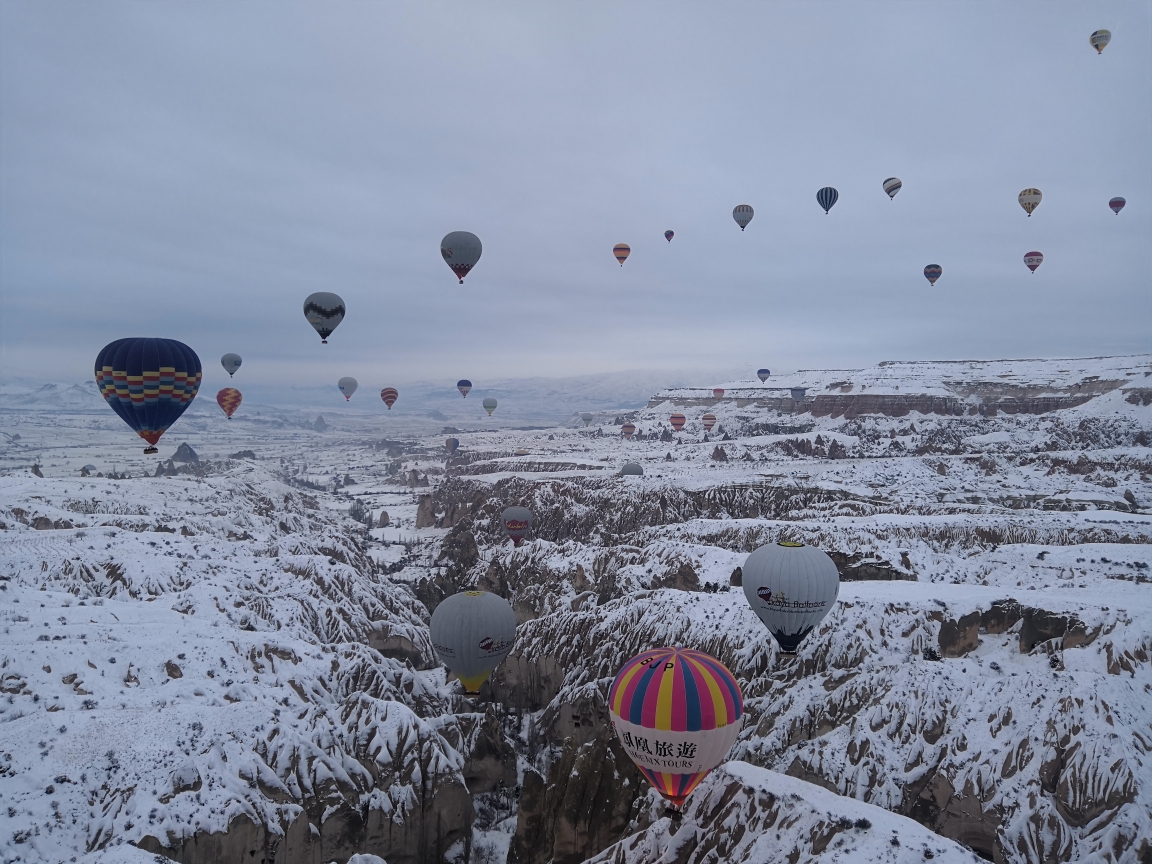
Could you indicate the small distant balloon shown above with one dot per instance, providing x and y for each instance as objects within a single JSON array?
[
  {"x": 229, "y": 400},
  {"x": 516, "y": 521},
  {"x": 827, "y": 197},
  {"x": 621, "y": 251},
  {"x": 709, "y": 420},
  {"x": 464, "y": 386},
  {"x": 347, "y": 386},
  {"x": 452, "y": 445},
  {"x": 389, "y": 395},
  {"x": 717, "y": 393},
  {"x": 763, "y": 374},
  {"x": 1099, "y": 40},
  {"x": 743, "y": 214},
  {"x": 628, "y": 430},
  {"x": 668, "y": 235},
  {"x": 798, "y": 393},
  {"x": 1034, "y": 260},
  {"x": 587, "y": 418},
  {"x": 461, "y": 250},
  {"x": 631, "y": 469},
  {"x": 677, "y": 420},
  {"x": 231, "y": 362},
  {"x": 892, "y": 186},
  {"x": 324, "y": 311},
  {"x": 1030, "y": 199},
  {"x": 933, "y": 272},
  {"x": 489, "y": 405},
  {"x": 1117, "y": 204}
]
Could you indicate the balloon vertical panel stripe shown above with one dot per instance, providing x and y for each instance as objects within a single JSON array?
[{"x": 696, "y": 693}]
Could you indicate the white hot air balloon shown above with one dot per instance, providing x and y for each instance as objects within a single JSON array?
[
  {"x": 471, "y": 633},
  {"x": 460, "y": 251},
  {"x": 892, "y": 186},
  {"x": 489, "y": 405},
  {"x": 587, "y": 418},
  {"x": 517, "y": 521},
  {"x": 324, "y": 311},
  {"x": 791, "y": 587},
  {"x": 743, "y": 214},
  {"x": 632, "y": 469},
  {"x": 347, "y": 386},
  {"x": 231, "y": 362}
]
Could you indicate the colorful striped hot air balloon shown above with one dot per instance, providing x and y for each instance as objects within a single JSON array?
[
  {"x": 148, "y": 383},
  {"x": 677, "y": 713},
  {"x": 628, "y": 430},
  {"x": 743, "y": 214},
  {"x": 677, "y": 420},
  {"x": 892, "y": 186},
  {"x": 389, "y": 395},
  {"x": 933, "y": 272},
  {"x": 621, "y": 251},
  {"x": 1033, "y": 260},
  {"x": 1030, "y": 199},
  {"x": 1117, "y": 204},
  {"x": 229, "y": 400},
  {"x": 827, "y": 198},
  {"x": 668, "y": 235},
  {"x": 709, "y": 421}
]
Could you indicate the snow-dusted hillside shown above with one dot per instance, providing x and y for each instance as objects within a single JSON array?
[{"x": 218, "y": 660}]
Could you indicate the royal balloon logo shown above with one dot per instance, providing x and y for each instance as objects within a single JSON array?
[
  {"x": 764, "y": 594},
  {"x": 486, "y": 644},
  {"x": 490, "y": 645}
]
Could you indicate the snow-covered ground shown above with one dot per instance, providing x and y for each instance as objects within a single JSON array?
[{"x": 223, "y": 646}]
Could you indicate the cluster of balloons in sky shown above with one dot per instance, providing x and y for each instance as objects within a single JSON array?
[{"x": 676, "y": 711}]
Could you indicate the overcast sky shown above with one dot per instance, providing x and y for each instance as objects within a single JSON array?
[{"x": 194, "y": 170}]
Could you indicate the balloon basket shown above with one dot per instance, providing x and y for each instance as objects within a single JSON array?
[{"x": 149, "y": 451}]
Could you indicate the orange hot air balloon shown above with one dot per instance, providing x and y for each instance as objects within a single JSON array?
[
  {"x": 717, "y": 392},
  {"x": 389, "y": 395},
  {"x": 229, "y": 400},
  {"x": 709, "y": 420},
  {"x": 677, "y": 421},
  {"x": 621, "y": 251},
  {"x": 628, "y": 430}
]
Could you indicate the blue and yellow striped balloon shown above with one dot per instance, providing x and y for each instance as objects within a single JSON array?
[{"x": 148, "y": 382}]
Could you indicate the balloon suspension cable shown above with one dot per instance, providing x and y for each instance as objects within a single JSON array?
[{"x": 673, "y": 814}]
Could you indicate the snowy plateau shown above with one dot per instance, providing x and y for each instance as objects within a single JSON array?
[{"x": 223, "y": 655}]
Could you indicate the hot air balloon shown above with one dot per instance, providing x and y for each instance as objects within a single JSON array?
[
  {"x": 1034, "y": 260},
  {"x": 892, "y": 186},
  {"x": 763, "y": 374},
  {"x": 628, "y": 430},
  {"x": 231, "y": 362},
  {"x": 677, "y": 713},
  {"x": 464, "y": 386},
  {"x": 148, "y": 382},
  {"x": 489, "y": 405},
  {"x": 229, "y": 400},
  {"x": 743, "y": 214},
  {"x": 516, "y": 521},
  {"x": 1099, "y": 40},
  {"x": 324, "y": 311},
  {"x": 461, "y": 251},
  {"x": 826, "y": 198},
  {"x": 709, "y": 420},
  {"x": 1030, "y": 199},
  {"x": 717, "y": 393},
  {"x": 621, "y": 251},
  {"x": 798, "y": 393},
  {"x": 347, "y": 386},
  {"x": 631, "y": 469},
  {"x": 390, "y": 395},
  {"x": 451, "y": 445},
  {"x": 791, "y": 587},
  {"x": 677, "y": 420},
  {"x": 587, "y": 418},
  {"x": 668, "y": 235},
  {"x": 471, "y": 633},
  {"x": 933, "y": 272},
  {"x": 1117, "y": 204}
]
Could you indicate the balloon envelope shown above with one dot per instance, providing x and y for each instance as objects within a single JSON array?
[
  {"x": 461, "y": 250},
  {"x": 763, "y": 374},
  {"x": 791, "y": 587},
  {"x": 1033, "y": 260},
  {"x": 324, "y": 311},
  {"x": 668, "y": 235},
  {"x": 743, "y": 214},
  {"x": 677, "y": 420},
  {"x": 892, "y": 186},
  {"x": 389, "y": 395},
  {"x": 1099, "y": 40},
  {"x": 464, "y": 386},
  {"x": 231, "y": 362},
  {"x": 451, "y": 445},
  {"x": 471, "y": 633},
  {"x": 516, "y": 521},
  {"x": 827, "y": 197},
  {"x": 628, "y": 429},
  {"x": 933, "y": 272},
  {"x": 489, "y": 405},
  {"x": 1030, "y": 199},
  {"x": 149, "y": 383},
  {"x": 632, "y": 469},
  {"x": 709, "y": 420},
  {"x": 229, "y": 400},
  {"x": 677, "y": 713},
  {"x": 1117, "y": 204},
  {"x": 587, "y": 418},
  {"x": 717, "y": 392},
  {"x": 347, "y": 386},
  {"x": 621, "y": 251}
]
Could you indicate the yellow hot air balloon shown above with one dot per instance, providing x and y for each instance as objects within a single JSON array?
[{"x": 1030, "y": 199}]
